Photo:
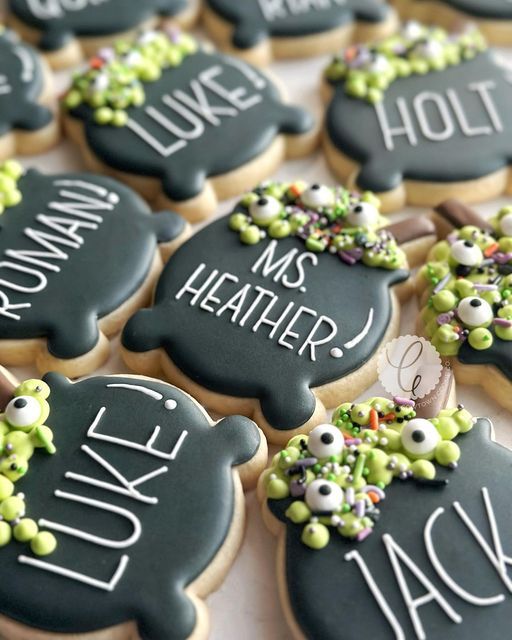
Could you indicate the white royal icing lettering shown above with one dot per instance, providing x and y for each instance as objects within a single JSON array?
[
  {"x": 449, "y": 106},
  {"x": 273, "y": 10},
  {"x": 52, "y": 9},
  {"x": 194, "y": 111}
]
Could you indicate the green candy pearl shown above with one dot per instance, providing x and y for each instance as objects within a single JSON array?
[
  {"x": 480, "y": 339},
  {"x": 279, "y": 229},
  {"x": 444, "y": 301},
  {"x": 5, "y": 534},
  {"x": 316, "y": 536},
  {"x": 43, "y": 544},
  {"x": 26, "y": 530},
  {"x": 250, "y": 235}
]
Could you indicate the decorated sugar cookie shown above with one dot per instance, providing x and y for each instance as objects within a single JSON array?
[
  {"x": 420, "y": 117},
  {"x": 143, "y": 501},
  {"x": 184, "y": 126},
  {"x": 493, "y": 17},
  {"x": 27, "y": 104},
  {"x": 66, "y": 31},
  {"x": 259, "y": 30},
  {"x": 271, "y": 310},
  {"x": 392, "y": 523},
  {"x": 78, "y": 254},
  {"x": 465, "y": 292}
]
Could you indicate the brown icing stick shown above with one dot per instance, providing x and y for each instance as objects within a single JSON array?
[
  {"x": 7, "y": 385},
  {"x": 431, "y": 404},
  {"x": 459, "y": 215},
  {"x": 411, "y": 229}
]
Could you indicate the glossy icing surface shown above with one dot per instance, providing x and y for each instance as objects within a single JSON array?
[
  {"x": 21, "y": 84},
  {"x": 156, "y": 536},
  {"x": 255, "y": 20},
  {"x": 61, "y": 20},
  {"x": 228, "y": 349},
  {"x": 74, "y": 249},
  {"x": 318, "y": 581},
  {"x": 205, "y": 117},
  {"x": 446, "y": 126}
]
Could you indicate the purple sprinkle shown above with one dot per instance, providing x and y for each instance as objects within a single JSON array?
[
  {"x": 407, "y": 402},
  {"x": 445, "y": 318},
  {"x": 297, "y": 489},
  {"x": 347, "y": 258},
  {"x": 452, "y": 238},
  {"x": 360, "y": 508},
  {"x": 350, "y": 495},
  {"x": 485, "y": 287},
  {"x": 356, "y": 252},
  {"x": 502, "y": 258},
  {"x": 442, "y": 283},
  {"x": 350, "y": 441},
  {"x": 106, "y": 54},
  {"x": 502, "y": 322},
  {"x": 363, "y": 534}
]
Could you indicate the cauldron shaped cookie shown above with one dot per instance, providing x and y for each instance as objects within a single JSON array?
[
  {"x": 184, "y": 125},
  {"x": 68, "y": 30},
  {"x": 435, "y": 564},
  {"x": 273, "y": 316},
  {"x": 493, "y": 17},
  {"x": 258, "y": 30},
  {"x": 24, "y": 99},
  {"x": 78, "y": 254},
  {"x": 142, "y": 496},
  {"x": 466, "y": 299},
  {"x": 421, "y": 117}
]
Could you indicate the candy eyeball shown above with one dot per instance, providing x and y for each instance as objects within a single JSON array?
[
  {"x": 324, "y": 495},
  {"x": 22, "y": 411},
  {"x": 318, "y": 196},
  {"x": 506, "y": 224},
  {"x": 466, "y": 253},
  {"x": 475, "y": 312},
  {"x": 325, "y": 441},
  {"x": 363, "y": 214},
  {"x": 265, "y": 210},
  {"x": 420, "y": 437}
]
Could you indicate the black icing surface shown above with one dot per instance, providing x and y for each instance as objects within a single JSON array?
[
  {"x": 482, "y": 8},
  {"x": 96, "y": 278},
  {"x": 255, "y": 20},
  {"x": 499, "y": 355},
  {"x": 59, "y": 21},
  {"x": 353, "y": 127},
  {"x": 230, "y": 359},
  {"x": 237, "y": 137},
  {"x": 180, "y": 535},
  {"x": 329, "y": 597},
  {"x": 21, "y": 84}
]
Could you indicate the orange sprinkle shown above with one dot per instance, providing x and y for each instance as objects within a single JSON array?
[
  {"x": 350, "y": 53},
  {"x": 492, "y": 249},
  {"x": 389, "y": 417},
  {"x": 374, "y": 497},
  {"x": 97, "y": 63},
  {"x": 374, "y": 420},
  {"x": 295, "y": 190}
]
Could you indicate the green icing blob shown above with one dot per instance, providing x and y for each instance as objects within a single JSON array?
[
  {"x": 469, "y": 298},
  {"x": 22, "y": 431},
  {"x": 337, "y": 474},
  {"x": 10, "y": 173},
  {"x": 366, "y": 71},
  {"x": 332, "y": 219},
  {"x": 115, "y": 77}
]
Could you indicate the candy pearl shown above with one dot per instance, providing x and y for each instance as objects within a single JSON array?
[{"x": 506, "y": 224}]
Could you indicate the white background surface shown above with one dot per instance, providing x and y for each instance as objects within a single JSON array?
[{"x": 247, "y": 605}]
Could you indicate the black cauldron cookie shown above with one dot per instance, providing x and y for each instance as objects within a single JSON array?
[
  {"x": 274, "y": 309},
  {"x": 420, "y": 117},
  {"x": 78, "y": 255}
]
